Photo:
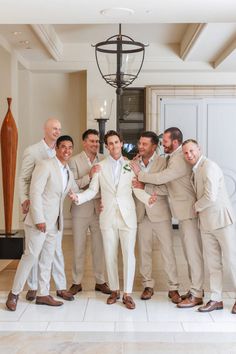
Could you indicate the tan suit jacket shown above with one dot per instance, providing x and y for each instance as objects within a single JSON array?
[
  {"x": 176, "y": 177},
  {"x": 160, "y": 211},
  {"x": 213, "y": 204},
  {"x": 32, "y": 155},
  {"x": 47, "y": 195},
  {"x": 80, "y": 167}
]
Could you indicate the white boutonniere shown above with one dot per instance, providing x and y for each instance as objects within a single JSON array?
[{"x": 126, "y": 168}]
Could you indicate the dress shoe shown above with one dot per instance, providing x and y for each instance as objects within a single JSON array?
[
  {"x": 75, "y": 288},
  {"x": 184, "y": 296},
  {"x": 234, "y": 309},
  {"x": 174, "y": 296},
  {"x": 129, "y": 302},
  {"x": 31, "y": 295},
  {"x": 47, "y": 300},
  {"x": 65, "y": 295},
  {"x": 115, "y": 295},
  {"x": 211, "y": 306},
  {"x": 12, "y": 301},
  {"x": 147, "y": 293},
  {"x": 104, "y": 288},
  {"x": 190, "y": 301}
]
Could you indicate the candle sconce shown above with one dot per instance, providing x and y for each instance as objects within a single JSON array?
[{"x": 104, "y": 113}]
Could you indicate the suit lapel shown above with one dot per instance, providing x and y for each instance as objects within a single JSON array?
[
  {"x": 58, "y": 173},
  {"x": 43, "y": 151}
]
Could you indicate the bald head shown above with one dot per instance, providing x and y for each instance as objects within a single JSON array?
[{"x": 52, "y": 130}]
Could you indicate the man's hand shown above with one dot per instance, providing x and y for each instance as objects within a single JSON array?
[
  {"x": 101, "y": 206},
  {"x": 137, "y": 184},
  {"x": 152, "y": 199},
  {"x": 73, "y": 196},
  {"x": 136, "y": 157},
  {"x": 25, "y": 206},
  {"x": 135, "y": 167},
  {"x": 41, "y": 227},
  {"x": 94, "y": 169}
]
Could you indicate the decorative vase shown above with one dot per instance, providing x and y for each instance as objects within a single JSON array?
[{"x": 9, "y": 140}]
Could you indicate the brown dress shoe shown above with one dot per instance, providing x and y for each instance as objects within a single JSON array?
[
  {"x": 104, "y": 288},
  {"x": 147, "y": 293},
  {"x": 47, "y": 300},
  {"x": 31, "y": 295},
  {"x": 211, "y": 306},
  {"x": 65, "y": 295},
  {"x": 234, "y": 309},
  {"x": 75, "y": 288},
  {"x": 186, "y": 295},
  {"x": 129, "y": 302},
  {"x": 12, "y": 301},
  {"x": 115, "y": 295},
  {"x": 174, "y": 296},
  {"x": 190, "y": 301}
]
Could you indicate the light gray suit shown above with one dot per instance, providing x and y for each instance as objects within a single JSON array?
[
  {"x": 176, "y": 177},
  {"x": 156, "y": 221},
  {"x": 46, "y": 196},
  {"x": 216, "y": 222},
  {"x": 32, "y": 155},
  {"x": 86, "y": 217}
]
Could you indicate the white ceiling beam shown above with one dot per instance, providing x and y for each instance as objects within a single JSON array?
[
  {"x": 50, "y": 40},
  {"x": 190, "y": 39},
  {"x": 225, "y": 54}
]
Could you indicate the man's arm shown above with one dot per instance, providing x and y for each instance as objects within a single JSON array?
[{"x": 85, "y": 196}]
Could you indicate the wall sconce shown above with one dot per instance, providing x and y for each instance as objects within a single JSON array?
[{"x": 104, "y": 113}]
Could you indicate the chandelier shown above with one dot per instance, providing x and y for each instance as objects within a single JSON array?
[{"x": 119, "y": 60}]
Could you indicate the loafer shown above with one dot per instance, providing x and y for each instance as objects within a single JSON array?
[
  {"x": 31, "y": 295},
  {"x": 104, "y": 288},
  {"x": 174, "y": 296},
  {"x": 12, "y": 301},
  {"x": 233, "y": 311},
  {"x": 47, "y": 300},
  {"x": 115, "y": 295},
  {"x": 147, "y": 293},
  {"x": 128, "y": 302},
  {"x": 65, "y": 295},
  {"x": 190, "y": 301},
  {"x": 211, "y": 306},
  {"x": 75, "y": 288}
]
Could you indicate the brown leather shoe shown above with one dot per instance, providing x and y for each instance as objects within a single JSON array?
[
  {"x": 234, "y": 309},
  {"x": 104, "y": 288},
  {"x": 65, "y": 295},
  {"x": 31, "y": 295},
  {"x": 147, "y": 293},
  {"x": 186, "y": 295},
  {"x": 12, "y": 301},
  {"x": 211, "y": 306},
  {"x": 115, "y": 295},
  {"x": 190, "y": 301},
  {"x": 75, "y": 288},
  {"x": 47, "y": 300},
  {"x": 129, "y": 302},
  {"x": 174, "y": 296}
]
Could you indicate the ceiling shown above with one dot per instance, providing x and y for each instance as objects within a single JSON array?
[{"x": 182, "y": 35}]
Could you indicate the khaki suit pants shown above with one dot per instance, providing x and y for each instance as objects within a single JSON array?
[
  {"x": 216, "y": 243},
  {"x": 163, "y": 231}
]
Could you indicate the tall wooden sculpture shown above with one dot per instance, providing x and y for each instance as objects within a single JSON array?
[{"x": 9, "y": 140}]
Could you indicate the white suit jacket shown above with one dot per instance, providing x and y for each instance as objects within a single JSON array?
[
  {"x": 213, "y": 204},
  {"x": 47, "y": 195},
  {"x": 113, "y": 197}
]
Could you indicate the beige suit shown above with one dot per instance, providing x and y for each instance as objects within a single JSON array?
[
  {"x": 46, "y": 196},
  {"x": 32, "y": 155},
  {"x": 176, "y": 177},
  {"x": 118, "y": 220},
  {"x": 86, "y": 217},
  {"x": 156, "y": 221},
  {"x": 216, "y": 222}
]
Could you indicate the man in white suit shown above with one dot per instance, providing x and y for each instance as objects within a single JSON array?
[
  {"x": 118, "y": 218},
  {"x": 86, "y": 217},
  {"x": 45, "y": 149},
  {"x": 176, "y": 177},
  {"x": 154, "y": 222},
  {"x": 51, "y": 181},
  {"x": 216, "y": 221}
]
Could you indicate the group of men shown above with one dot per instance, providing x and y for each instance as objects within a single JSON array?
[{"x": 116, "y": 200}]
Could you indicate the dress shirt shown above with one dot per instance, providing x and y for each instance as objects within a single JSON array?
[
  {"x": 64, "y": 174},
  {"x": 116, "y": 166},
  {"x": 146, "y": 168},
  {"x": 95, "y": 161},
  {"x": 51, "y": 152}
]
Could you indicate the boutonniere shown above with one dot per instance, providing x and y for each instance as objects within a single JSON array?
[{"x": 126, "y": 168}]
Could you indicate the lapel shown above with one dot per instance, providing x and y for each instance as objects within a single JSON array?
[
  {"x": 153, "y": 166},
  {"x": 107, "y": 173},
  {"x": 123, "y": 174},
  {"x": 193, "y": 181},
  {"x": 70, "y": 178},
  {"x": 198, "y": 171}
]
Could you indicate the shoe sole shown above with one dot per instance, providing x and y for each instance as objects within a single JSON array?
[
  {"x": 43, "y": 303},
  {"x": 69, "y": 299},
  {"x": 217, "y": 308},
  {"x": 10, "y": 309},
  {"x": 148, "y": 298},
  {"x": 188, "y": 307}
]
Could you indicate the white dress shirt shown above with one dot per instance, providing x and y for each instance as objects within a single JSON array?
[
  {"x": 146, "y": 168},
  {"x": 51, "y": 152},
  {"x": 64, "y": 174},
  {"x": 116, "y": 166}
]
